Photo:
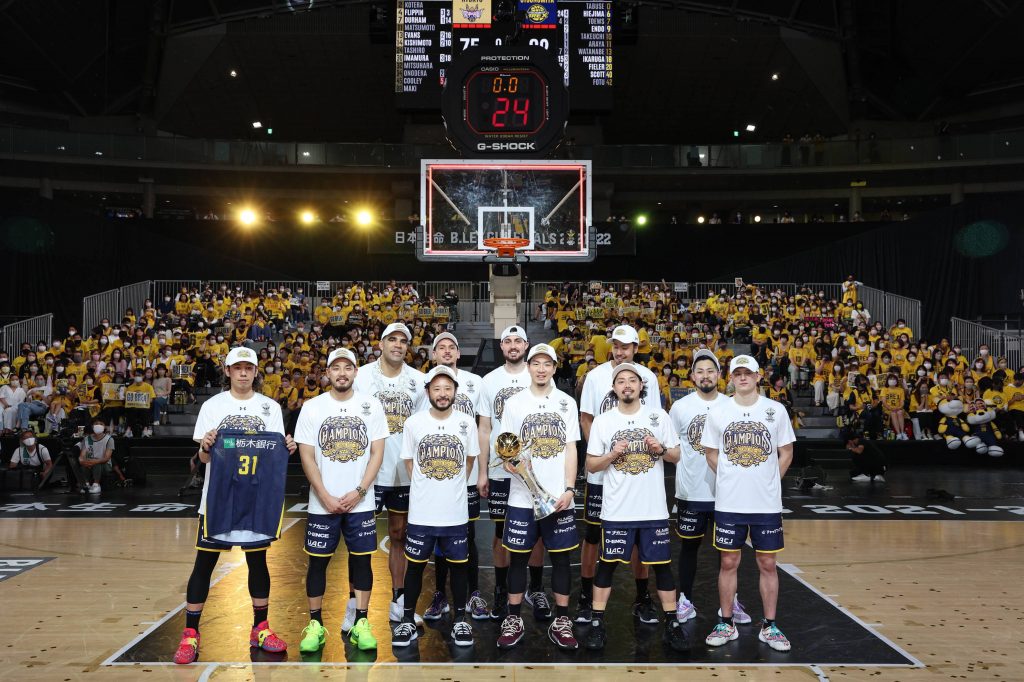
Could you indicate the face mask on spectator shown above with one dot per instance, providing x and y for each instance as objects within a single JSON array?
[
  {"x": 968, "y": 385},
  {"x": 41, "y": 348},
  {"x": 944, "y": 381},
  {"x": 892, "y": 382},
  {"x": 983, "y": 352},
  {"x": 921, "y": 372},
  {"x": 927, "y": 365},
  {"x": 98, "y": 429},
  {"x": 979, "y": 365}
]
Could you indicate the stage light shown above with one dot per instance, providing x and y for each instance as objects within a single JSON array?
[
  {"x": 257, "y": 125},
  {"x": 270, "y": 131},
  {"x": 735, "y": 133},
  {"x": 641, "y": 220},
  {"x": 757, "y": 219},
  {"x": 700, "y": 220},
  {"x": 307, "y": 217},
  {"x": 775, "y": 76},
  {"x": 751, "y": 127},
  {"x": 364, "y": 217},
  {"x": 233, "y": 73},
  {"x": 247, "y": 217}
]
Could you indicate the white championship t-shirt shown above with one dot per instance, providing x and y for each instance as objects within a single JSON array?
[
  {"x": 341, "y": 432},
  {"x": 223, "y": 411},
  {"x": 438, "y": 449},
  {"x": 597, "y": 397},
  {"x": 400, "y": 397},
  {"x": 549, "y": 423},
  {"x": 468, "y": 399},
  {"x": 695, "y": 481},
  {"x": 499, "y": 386},
  {"x": 748, "y": 441},
  {"x": 634, "y": 483}
]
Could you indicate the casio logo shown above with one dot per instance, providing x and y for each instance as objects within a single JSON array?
[{"x": 506, "y": 146}]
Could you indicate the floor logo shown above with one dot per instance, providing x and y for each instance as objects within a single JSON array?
[{"x": 12, "y": 566}]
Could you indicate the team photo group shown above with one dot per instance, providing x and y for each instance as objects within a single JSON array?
[{"x": 432, "y": 451}]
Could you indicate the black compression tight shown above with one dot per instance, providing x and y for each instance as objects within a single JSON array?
[
  {"x": 561, "y": 574},
  {"x": 199, "y": 582},
  {"x": 662, "y": 575}
]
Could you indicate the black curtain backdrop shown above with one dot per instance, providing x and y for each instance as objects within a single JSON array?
[{"x": 963, "y": 260}]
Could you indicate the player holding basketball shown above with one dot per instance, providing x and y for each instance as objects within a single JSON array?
[
  {"x": 341, "y": 437},
  {"x": 467, "y": 400},
  {"x": 438, "y": 449},
  {"x": 399, "y": 388},
  {"x": 695, "y": 482},
  {"x": 630, "y": 443},
  {"x": 756, "y": 438},
  {"x": 240, "y": 408}
]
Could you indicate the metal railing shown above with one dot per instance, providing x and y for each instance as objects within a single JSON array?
[
  {"x": 172, "y": 288},
  {"x": 104, "y": 305},
  {"x": 134, "y": 296},
  {"x": 38, "y": 328},
  {"x": 970, "y": 335},
  {"x": 888, "y": 308}
]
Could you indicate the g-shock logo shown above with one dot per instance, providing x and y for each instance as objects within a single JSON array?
[{"x": 506, "y": 146}]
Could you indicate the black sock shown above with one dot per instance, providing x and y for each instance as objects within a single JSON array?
[
  {"x": 536, "y": 578},
  {"x": 725, "y": 619},
  {"x": 598, "y": 616},
  {"x": 361, "y": 613},
  {"x": 515, "y": 609},
  {"x": 766, "y": 623},
  {"x": 317, "y": 615},
  {"x": 192, "y": 619},
  {"x": 410, "y": 615},
  {"x": 641, "y": 589},
  {"x": 460, "y": 614},
  {"x": 259, "y": 614},
  {"x": 670, "y": 617},
  {"x": 396, "y": 593},
  {"x": 561, "y": 611},
  {"x": 351, "y": 594},
  {"x": 501, "y": 579},
  {"x": 586, "y": 588}
]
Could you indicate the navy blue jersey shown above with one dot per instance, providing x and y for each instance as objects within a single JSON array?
[{"x": 245, "y": 501}]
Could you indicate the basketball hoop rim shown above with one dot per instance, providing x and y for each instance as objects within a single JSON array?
[{"x": 506, "y": 247}]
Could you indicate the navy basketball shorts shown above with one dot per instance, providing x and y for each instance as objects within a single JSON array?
[
  {"x": 453, "y": 541},
  {"x": 692, "y": 518},
  {"x": 395, "y": 500},
  {"x": 650, "y": 537},
  {"x": 522, "y": 530},
  {"x": 473, "y": 498},
  {"x": 767, "y": 538},
  {"x": 211, "y": 545},
  {"x": 324, "y": 532},
  {"x": 592, "y": 503},
  {"x": 497, "y": 498}
]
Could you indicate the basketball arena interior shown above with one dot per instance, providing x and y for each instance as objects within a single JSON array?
[{"x": 808, "y": 212}]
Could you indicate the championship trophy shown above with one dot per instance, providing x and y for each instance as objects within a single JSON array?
[{"x": 512, "y": 451}]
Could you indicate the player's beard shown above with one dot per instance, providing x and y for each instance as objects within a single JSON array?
[
  {"x": 628, "y": 399},
  {"x": 706, "y": 389},
  {"x": 342, "y": 385},
  {"x": 437, "y": 404}
]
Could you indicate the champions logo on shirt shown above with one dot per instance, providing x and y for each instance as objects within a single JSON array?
[
  {"x": 242, "y": 422},
  {"x": 694, "y": 432},
  {"x": 637, "y": 459},
  {"x": 503, "y": 395},
  {"x": 441, "y": 456},
  {"x": 343, "y": 439},
  {"x": 464, "y": 405},
  {"x": 747, "y": 444},
  {"x": 397, "y": 407},
  {"x": 545, "y": 432},
  {"x": 610, "y": 401}
]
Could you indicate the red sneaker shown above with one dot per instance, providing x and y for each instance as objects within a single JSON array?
[
  {"x": 188, "y": 648},
  {"x": 264, "y": 638}
]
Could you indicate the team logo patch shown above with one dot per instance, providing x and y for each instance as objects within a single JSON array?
[
  {"x": 412, "y": 385},
  {"x": 610, "y": 402},
  {"x": 694, "y": 432},
  {"x": 546, "y": 433},
  {"x": 266, "y": 409},
  {"x": 563, "y": 405},
  {"x": 397, "y": 406},
  {"x": 464, "y": 428},
  {"x": 747, "y": 443},
  {"x": 343, "y": 439},
  {"x": 503, "y": 395},
  {"x": 242, "y": 422},
  {"x": 441, "y": 456},
  {"x": 637, "y": 460},
  {"x": 366, "y": 409},
  {"x": 470, "y": 386},
  {"x": 769, "y": 415},
  {"x": 472, "y": 14},
  {"x": 537, "y": 14},
  {"x": 654, "y": 420}
]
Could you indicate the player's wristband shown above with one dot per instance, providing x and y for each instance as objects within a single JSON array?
[
  {"x": 569, "y": 489},
  {"x": 361, "y": 490}
]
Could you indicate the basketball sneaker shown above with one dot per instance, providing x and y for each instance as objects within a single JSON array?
[
  {"x": 644, "y": 610},
  {"x": 404, "y": 634},
  {"x": 739, "y": 614},
  {"x": 597, "y": 635},
  {"x": 264, "y": 638},
  {"x": 722, "y": 634},
  {"x": 512, "y": 631},
  {"x": 462, "y": 634},
  {"x": 560, "y": 632},
  {"x": 773, "y": 637},
  {"x": 674, "y": 636},
  {"x": 362, "y": 636},
  {"x": 438, "y": 607},
  {"x": 584, "y": 614},
  {"x": 396, "y": 612},
  {"x": 684, "y": 609},
  {"x": 350, "y": 616},
  {"x": 540, "y": 603},
  {"x": 476, "y": 607},
  {"x": 500, "y": 609},
  {"x": 188, "y": 648},
  {"x": 313, "y": 637}
]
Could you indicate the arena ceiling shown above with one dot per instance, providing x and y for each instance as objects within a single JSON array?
[{"x": 318, "y": 71}]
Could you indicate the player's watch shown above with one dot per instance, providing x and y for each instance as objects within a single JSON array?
[
  {"x": 569, "y": 489},
  {"x": 361, "y": 490}
]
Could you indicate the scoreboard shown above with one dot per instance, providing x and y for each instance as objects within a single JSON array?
[{"x": 431, "y": 34}]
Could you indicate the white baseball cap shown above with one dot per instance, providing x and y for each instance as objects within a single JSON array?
[
  {"x": 625, "y": 334},
  {"x": 438, "y": 371},
  {"x": 441, "y": 337},
  {"x": 240, "y": 354},
  {"x": 626, "y": 367},
  {"x": 542, "y": 348},
  {"x": 744, "y": 361},
  {"x": 342, "y": 354},
  {"x": 396, "y": 327},
  {"x": 704, "y": 353},
  {"x": 514, "y": 330}
]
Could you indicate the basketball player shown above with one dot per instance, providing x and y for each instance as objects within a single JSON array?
[
  {"x": 438, "y": 446},
  {"x": 598, "y": 397},
  {"x": 399, "y": 388},
  {"x": 630, "y": 443},
  {"x": 341, "y": 437},
  {"x": 545, "y": 420},
  {"x": 695, "y": 482},
  {"x": 445, "y": 350},
  {"x": 240, "y": 408},
  {"x": 756, "y": 438},
  {"x": 500, "y": 384}
]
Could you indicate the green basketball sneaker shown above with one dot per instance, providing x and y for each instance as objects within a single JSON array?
[
  {"x": 313, "y": 637},
  {"x": 362, "y": 636}
]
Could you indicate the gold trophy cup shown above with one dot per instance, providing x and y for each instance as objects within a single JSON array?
[{"x": 512, "y": 451}]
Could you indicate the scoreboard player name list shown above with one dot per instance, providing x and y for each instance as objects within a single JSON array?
[{"x": 421, "y": 42}]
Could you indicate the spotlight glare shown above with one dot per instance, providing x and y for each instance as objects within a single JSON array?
[
  {"x": 641, "y": 219},
  {"x": 307, "y": 217},
  {"x": 364, "y": 217},
  {"x": 775, "y": 76},
  {"x": 233, "y": 73},
  {"x": 751, "y": 127},
  {"x": 700, "y": 220},
  {"x": 247, "y": 216},
  {"x": 757, "y": 219},
  {"x": 257, "y": 125}
]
